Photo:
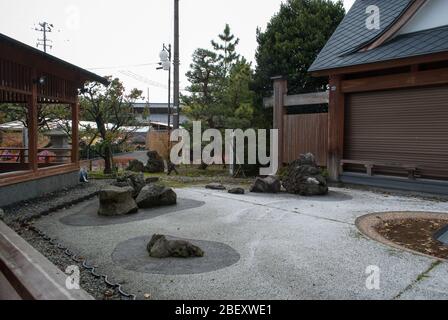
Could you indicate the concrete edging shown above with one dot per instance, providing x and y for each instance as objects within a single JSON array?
[{"x": 366, "y": 224}]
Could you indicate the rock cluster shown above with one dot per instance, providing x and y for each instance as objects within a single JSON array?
[
  {"x": 269, "y": 184},
  {"x": 305, "y": 178},
  {"x": 131, "y": 179},
  {"x": 160, "y": 247},
  {"x": 130, "y": 192},
  {"x": 155, "y": 163}
]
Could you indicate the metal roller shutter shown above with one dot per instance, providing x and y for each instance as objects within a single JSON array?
[{"x": 408, "y": 126}]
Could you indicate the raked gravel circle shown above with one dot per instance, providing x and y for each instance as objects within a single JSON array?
[{"x": 132, "y": 255}]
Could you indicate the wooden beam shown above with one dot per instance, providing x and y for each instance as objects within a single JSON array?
[
  {"x": 304, "y": 99},
  {"x": 396, "y": 81},
  {"x": 307, "y": 99},
  {"x": 336, "y": 111},
  {"x": 75, "y": 133},
  {"x": 7, "y": 179},
  {"x": 395, "y": 63},
  {"x": 33, "y": 127},
  {"x": 280, "y": 90}
]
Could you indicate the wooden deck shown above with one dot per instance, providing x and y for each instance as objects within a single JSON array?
[{"x": 25, "y": 274}]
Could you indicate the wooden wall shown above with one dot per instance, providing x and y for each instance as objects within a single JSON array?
[
  {"x": 158, "y": 141},
  {"x": 305, "y": 133}
]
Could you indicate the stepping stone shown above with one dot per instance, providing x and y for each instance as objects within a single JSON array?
[
  {"x": 215, "y": 186},
  {"x": 237, "y": 191}
]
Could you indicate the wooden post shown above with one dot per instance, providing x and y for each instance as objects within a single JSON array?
[
  {"x": 280, "y": 90},
  {"x": 336, "y": 111},
  {"x": 75, "y": 132},
  {"x": 33, "y": 125}
]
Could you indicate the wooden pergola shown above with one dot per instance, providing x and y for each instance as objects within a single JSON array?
[{"x": 31, "y": 77}]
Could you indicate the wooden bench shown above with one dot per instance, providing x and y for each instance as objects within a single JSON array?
[{"x": 370, "y": 165}]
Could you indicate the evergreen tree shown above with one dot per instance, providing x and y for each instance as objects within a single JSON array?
[
  {"x": 226, "y": 49},
  {"x": 291, "y": 42}
]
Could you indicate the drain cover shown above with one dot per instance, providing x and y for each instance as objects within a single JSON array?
[{"x": 442, "y": 235}]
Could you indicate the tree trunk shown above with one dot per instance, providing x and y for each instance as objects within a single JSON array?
[{"x": 108, "y": 160}]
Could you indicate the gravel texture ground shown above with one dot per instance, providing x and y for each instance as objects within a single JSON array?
[{"x": 18, "y": 215}]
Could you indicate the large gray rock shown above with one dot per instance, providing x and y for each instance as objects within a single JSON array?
[
  {"x": 131, "y": 179},
  {"x": 269, "y": 184},
  {"x": 160, "y": 247},
  {"x": 2, "y": 214},
  {"x": 304, "y": 177},
  {"x": 155, "y": 196},
  {"x": 155, "y": 163},
  {"x": 115, "y": 201}
]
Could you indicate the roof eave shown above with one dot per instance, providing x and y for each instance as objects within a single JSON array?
[{"x": 385, "y": 64}]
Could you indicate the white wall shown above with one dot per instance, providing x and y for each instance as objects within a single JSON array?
[{"x": 432, "y": 15}]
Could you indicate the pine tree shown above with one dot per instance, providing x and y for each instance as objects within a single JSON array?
[
  {"x": 226, "y": 49},
  {"x": 205, "y": 77}
]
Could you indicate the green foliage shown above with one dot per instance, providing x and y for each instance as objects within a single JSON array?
[
  {"x": 291, "y": 42},
  {"x": 226, "y": 49},
  {"x": 220, "y": 95},
  {"x": 111, "y": 109},
  {"x": 46, "y": 113},
  {"x": 205, "y": 79}
]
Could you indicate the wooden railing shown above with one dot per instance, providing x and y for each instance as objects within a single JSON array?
[{"x": 19, "y": 155}]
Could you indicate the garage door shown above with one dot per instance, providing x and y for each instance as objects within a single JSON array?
[{"x": 408, "y": 126}]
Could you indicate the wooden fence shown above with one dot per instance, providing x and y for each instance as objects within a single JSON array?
[
  {"x": 305, "y": 133},
  {"x": 299, "y": 133}
]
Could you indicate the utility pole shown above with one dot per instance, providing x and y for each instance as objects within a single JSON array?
[
  {"x": 176, "y": 63},
  {"x": 45, "y": 28}
]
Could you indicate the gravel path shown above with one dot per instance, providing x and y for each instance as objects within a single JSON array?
[
  {"x": 30, "y": 209},
  {"x": 18, "y": 215}
]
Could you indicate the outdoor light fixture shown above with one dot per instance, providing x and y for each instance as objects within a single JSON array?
[
  {"x": 165, "y": 64},
  {"x": 40, "y": 80},
  {"x": 164, "y": 55}
]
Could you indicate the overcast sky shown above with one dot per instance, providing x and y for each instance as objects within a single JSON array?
[{"x": 121, "y": 38}]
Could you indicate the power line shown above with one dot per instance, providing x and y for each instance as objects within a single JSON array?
[
  {"x": 45, "y": 28},
  {"x": 124, "y": 66},
  {"x": 143, "y": 79}
]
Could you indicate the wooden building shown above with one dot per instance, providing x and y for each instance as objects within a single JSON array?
[
  {"x": 31, "y": 77},
  {"x": 387, "y": 65}
]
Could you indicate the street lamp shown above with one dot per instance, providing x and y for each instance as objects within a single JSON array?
[{"x": 165, "y": 64}]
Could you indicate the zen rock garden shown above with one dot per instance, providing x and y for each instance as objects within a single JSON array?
[{"x": 131, "y": 192}]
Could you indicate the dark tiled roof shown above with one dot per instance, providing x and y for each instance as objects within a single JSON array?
[{"x": 352, "y": 34}]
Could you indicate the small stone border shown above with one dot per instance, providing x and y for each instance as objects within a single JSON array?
[
  {"x": 39, "y": 209},
  {"x": 366, "y": 225},
  {"x": 26, "y": 211}
]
